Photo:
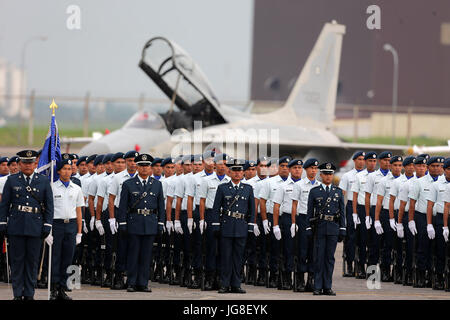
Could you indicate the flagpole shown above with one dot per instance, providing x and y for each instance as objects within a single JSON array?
[{"x": 53, "y": 106}]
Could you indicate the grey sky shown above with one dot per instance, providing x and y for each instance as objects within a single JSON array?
[{"x": 103, "y": 56}]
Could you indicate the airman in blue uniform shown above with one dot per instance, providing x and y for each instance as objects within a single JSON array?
[
  {"x": 26, "y": 216},
  {"x": 142, "y": 216},
  {"x": 236, "y": 202},
  {"x": 326, "y": 213}
]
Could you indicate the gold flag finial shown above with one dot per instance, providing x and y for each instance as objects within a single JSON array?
[{"x": 53, "y": 106}]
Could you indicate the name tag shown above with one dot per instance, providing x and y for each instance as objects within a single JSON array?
[
  {"x": 305, "y": 191},
  {"x": 135, "y": 193},
  {"x": 212, "y": 188},
  {"x": 227, "y": 197},
  {"x": 57, "y": 196},
  {"x": 288, "y": 190}
]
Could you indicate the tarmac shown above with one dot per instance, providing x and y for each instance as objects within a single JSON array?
[{"x": 345, "y": 288}]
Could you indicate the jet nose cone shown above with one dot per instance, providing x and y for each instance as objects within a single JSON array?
[{"x": 95, "y": 148}]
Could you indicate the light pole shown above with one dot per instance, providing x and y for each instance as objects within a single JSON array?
[
  {"x": 22, "y": 81},
  {"x": 388, "y": 47}
]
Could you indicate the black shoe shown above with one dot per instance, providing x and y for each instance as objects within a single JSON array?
[
  {"x": 287, "y": 281},
  {"x": 328, "y": 292},
  {"x": 17, "y": 298},
  {"x": 300, "y": 285},
  {"x": 42, "y": 284},
  {"x": 261, "y": 281},
  {"x": 62, "y": 295},
  {"x": 273, "y": 279},
  {"x": 420, "y": 279},
  {"x": 176, "y": 277},
  {"x": 409, "y": 279},
  {"x": 118, "y": 279},
  {"x": 196, "y": 281},
  {"x": 398, "y": 276},
  {"x": 131, "y": 289},
  {"x": 362, "y": 273},
  {"x": 317, "y": 292},
  {"x": 251, "y": 275},
  {"x": 224, "y": 290},
  {"x": 237, "y": 290},
  {"x": 309, "y": 283},
  {"x": 107, "y": 282},
  {"x": 439, "y": 282},
  {"x": 350, "y": 272},
  {"x": 428, "y": 282},
  {"x": 186, "y": 278},
  {"x": 143, "y": 289},
  {"x": 209, "y": 282},
  {"x": 28, "y": 298}
]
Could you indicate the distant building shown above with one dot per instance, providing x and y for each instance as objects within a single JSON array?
[{"x": 286, "y": 30}]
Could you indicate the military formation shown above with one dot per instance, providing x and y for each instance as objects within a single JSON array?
[{"x": 212, "y": 222}]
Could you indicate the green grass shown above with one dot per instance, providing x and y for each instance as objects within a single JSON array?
[
  {"x": 9, "y": 134},
  {"x": 420, "y": 141}
]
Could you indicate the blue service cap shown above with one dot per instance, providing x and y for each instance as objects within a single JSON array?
[
  {"x": 98, "y": 159},
  {"x": 66, "y": 156},
  {"x": 166, "y": 161},
  {"x": 395, "y": 159},
  {"x": 249, "y": 164},
  {"x": 63, "y": 162},
  {"x": 131, "y": 154},
  {"x": 13, "y": 159},
  {"x": 442, "y": 159},
  {"x": 82, "y": 159},
  {"x": 424, "y": 155},
  {"x": 220, "y": 157},
  {"x": 187, "y": 159},
  {"x": 408, "y": 160},
  {"x": 197, "y": 158},
  {"x": 284, "y": 159},
  {"x": 420, "y": 160},
  {"x": 272, "y": 161},
  {"x": 208, "y": 154},
  {"x": 295, "y": 162},
  {"x": 262, "y": 159},
  {"x": 107, "y": 158},
  {"x": 447, "y": 163},
  {"x": 75, "y": 156},
  {"x": 435, "y": 160},
  {"x": 178, "y": 159},
  {"x": 117, "y": 155},
  {"x": 327, "y": 167},
  {"x": 91, "y": 158},
  {"x": 370, "y": 155},
  {"x": 156, "y": 161},
  {"x": 235, "y": 164},
  {"x": 27, "y": 156},
  {"x": 310, "y": 162},
  {"x": 384, "y": 155},
  {"x": 359, "y": 154},
  {"x": 4, "y": 159},
  {"x": 143, "y": 159}
]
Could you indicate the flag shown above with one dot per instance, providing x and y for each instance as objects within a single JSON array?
[{"x": 51, "y": 152}]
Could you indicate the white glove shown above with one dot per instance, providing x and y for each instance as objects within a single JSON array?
[
  {"x": 392, "y": 223},
  {"x": 49, "y": 239},
  {"x": 430, "y": 230},
  {"x": 277, "y": 232},
  {"x": 368, "y": 222},
  {"x": 85, "y": 229},
  {"x": 202, "y": 226},
  {"x": 378, "y": 227},
  {"x": 178, "y": 228},
  {"x": 266, "y": 226},
  {"x": 113, "y": 225},
  {"x": 445, "y": 233},
  {"x": 400, "y": 232},
  {"x": 294, "y": 228},
  {"x": 78, "y": 238},
  {"x": 91, "y": 223},
  {"x": 355, "y": 219},
  {"x": 412, "y": 227},
  {"x": 169, "y": 226},
  {"x": 99, "y": 227},
  {"x": 190, "y": 223},
  {"x": 256, "y": 231}
]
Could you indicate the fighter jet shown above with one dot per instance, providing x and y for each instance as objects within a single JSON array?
[{"x": 302, "y": 127}]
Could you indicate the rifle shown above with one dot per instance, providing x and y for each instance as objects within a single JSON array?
[
  {"x": 414, "y": 263},
  {"x": 162, "y": 253},
  {"x": 114, "y": 258},
  {"x": 394, "y": 257},
  {"x": 447, "y": 268},
  {"x": 357, "y": 253},
  {"x": 191, "y": 257},
  {"x": 344, "y": 259},
  {"x": 404, "y": 263},
  {"x": 280, "y": 279},
  {"x": 433, "y": 263},
  {"x": 268, "y": 248},
  {"x": 295, "y": 260},
  {"x": 203, "y": 275},
  {"x": 102, "y": 258},
  {"x": 171, "y": 254}
]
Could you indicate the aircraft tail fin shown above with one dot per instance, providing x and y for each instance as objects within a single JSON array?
[{"x": 313, "y": 96}]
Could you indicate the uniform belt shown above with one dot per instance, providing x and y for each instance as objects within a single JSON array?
[
  {"x": 329, "y": 217},
  {"x": 145, "y": 212},
  {"x": 27, "y": 208},
  {"x": 65, "y": 220},
  {"x": 441, "y": 213},
  {"x": 236, "y": 215}
]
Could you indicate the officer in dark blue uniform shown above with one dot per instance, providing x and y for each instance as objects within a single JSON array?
[
  {"x": 326, "y": 214},
  {"x": 26, "y": 215},
  {"x": 142, "y": 216},
  {"x": 236, "y": 202}
]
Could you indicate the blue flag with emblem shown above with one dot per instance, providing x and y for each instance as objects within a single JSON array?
[{"x": 51, "y": 152}]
